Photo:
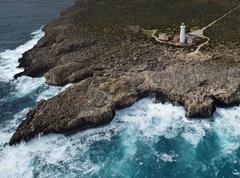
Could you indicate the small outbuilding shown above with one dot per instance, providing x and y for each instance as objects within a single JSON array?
[
  {"x": 192, "y": 39},
  {"x": 164, "y": 37}
]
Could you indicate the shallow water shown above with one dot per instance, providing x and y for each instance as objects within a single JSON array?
[{"x": 148, "y": 139}]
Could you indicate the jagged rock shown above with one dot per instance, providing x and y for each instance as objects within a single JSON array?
[
  {"x": 198, "y": 107},
  {"x": 113, "y": 65},
  {"x": 90, "y": 103},
  {"x": 93, "y": 101}
]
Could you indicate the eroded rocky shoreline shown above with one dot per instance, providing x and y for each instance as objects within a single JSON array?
[{"x": 99, "y": 46}]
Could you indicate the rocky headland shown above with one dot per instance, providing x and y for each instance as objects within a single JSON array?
[{"x": 99, "y": 45}]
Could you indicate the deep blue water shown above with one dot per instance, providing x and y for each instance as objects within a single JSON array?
[
  {"x": 147, "y": 139},
  {"x": 18, "y": 18},
  {"x": 20, "y": 24}
]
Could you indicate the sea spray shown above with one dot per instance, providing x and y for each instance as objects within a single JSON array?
[
  {"x": 148, "y": 139},
  {"x": 9, "y": 58},
  {"x": 24, "y": 88},
  {"x": 147, "y": 135}
]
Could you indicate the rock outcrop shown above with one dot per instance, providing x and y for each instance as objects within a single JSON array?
[{"x": 113, "y": 64}]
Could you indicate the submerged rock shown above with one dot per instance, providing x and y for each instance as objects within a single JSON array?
[{"x": 113, "y": 65}]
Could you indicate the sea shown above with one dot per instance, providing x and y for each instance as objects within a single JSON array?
[{"x": 147, "y": 140}]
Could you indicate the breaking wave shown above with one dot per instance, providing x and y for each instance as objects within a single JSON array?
[
  {"x": 9, "y": 58},
  {"x": 148, "y": 139},
  {"x": 147, "y": 135}
]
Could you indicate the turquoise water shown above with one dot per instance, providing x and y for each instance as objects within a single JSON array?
[{"x": 148, "y": 139}]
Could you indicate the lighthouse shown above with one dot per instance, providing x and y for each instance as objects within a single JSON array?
[{"x": 182, "y": 33}]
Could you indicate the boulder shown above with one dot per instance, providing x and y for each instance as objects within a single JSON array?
[{"x": 199, "y": 107}]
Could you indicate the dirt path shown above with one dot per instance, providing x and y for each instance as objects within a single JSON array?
[{"x": 200, "y": 32}]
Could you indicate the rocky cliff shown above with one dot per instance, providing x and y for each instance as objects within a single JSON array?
[{"x": 100, "y": 47}]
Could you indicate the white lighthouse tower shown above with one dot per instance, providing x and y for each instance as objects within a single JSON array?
[{"x": 182, "y": 33}]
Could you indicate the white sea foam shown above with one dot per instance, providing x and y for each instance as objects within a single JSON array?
[
  {"x": 16, "y": 161},
  {"x": 157, "y": 119},
  {"x": 236, "y": 173},
  {"x": 8, "y": 68},
  {"x": 168, "y": 157},
  {"x": 25, "y": 85},
  {"x": 227, "y": 126},
  {"x": 9, "y": 58},
  {"x": 145, "y": 121},
  {"x": 51, "y": 91}
]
